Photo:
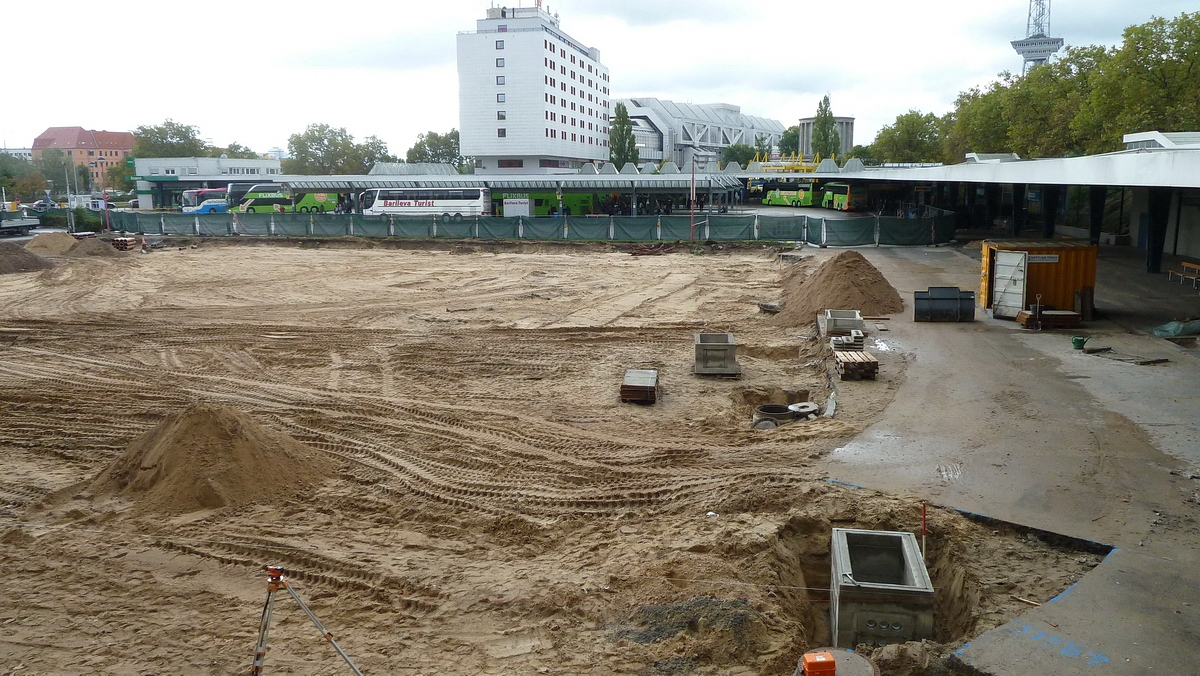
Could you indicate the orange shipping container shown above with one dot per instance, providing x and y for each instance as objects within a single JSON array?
[{"x": 1056, "y": 269}]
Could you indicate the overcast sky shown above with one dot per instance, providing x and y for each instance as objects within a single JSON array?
[{"x": 256, "y": 72}]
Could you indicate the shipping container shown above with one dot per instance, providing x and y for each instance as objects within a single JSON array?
[{"x": 1013, "y": 273}]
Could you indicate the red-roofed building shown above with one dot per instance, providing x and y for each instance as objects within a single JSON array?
[{"x": 97, "y": 150}]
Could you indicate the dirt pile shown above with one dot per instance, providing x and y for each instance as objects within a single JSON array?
[
  {"x": 845, "y": 282},
  {"x": 92, "y": 247},
  {"x": 211, "y": 456},
  {"x": 14, "y": 258},
  {"x": 51, "y": 244}
]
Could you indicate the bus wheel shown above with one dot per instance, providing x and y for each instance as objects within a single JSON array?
[
  {"x": 445, "y": 218},
  {"x": 249, "y": 210},
  {"x": 458, "y": 217}
]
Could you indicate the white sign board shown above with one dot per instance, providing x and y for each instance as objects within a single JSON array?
[
  {"x": 1043, "y": 258},
  {"x": 516, "y": 207}
]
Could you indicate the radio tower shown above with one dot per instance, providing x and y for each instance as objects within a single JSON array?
[{"x": 1036, "y": 47}]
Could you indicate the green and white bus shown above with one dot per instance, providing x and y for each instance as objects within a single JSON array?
[
  {"x": 788, "y": 193},
  {"x": 269, "y": 197}
]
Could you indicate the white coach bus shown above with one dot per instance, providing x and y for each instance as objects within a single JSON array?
[{"x": 446, "y": 203}]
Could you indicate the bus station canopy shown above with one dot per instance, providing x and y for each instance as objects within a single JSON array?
[{"x": 529, "y": 183}]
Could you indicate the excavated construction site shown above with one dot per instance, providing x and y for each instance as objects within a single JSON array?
[{"x": 430, "y": 441}]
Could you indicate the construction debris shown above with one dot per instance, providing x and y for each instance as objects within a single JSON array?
[{"x": 640, "y": 386}]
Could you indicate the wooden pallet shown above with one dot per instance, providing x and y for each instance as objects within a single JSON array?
[
  {"x": 854, "y": 365},
  {"x": 640, "y": 386}
]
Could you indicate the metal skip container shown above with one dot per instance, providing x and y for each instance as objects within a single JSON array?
[{"x": 1013, "y": 273}]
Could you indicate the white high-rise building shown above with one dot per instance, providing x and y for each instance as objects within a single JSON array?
[{"x": 531, "y": 98}]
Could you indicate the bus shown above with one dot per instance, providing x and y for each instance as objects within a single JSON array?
[
  {"x": 446, "y": 203},
  {"x": 268, "y": 197},
  {"x": 788, "y": 194},
  {"x": 844, "y": 197},
  {"x": 205, "y": 201},
  {"x": 546, "y": 204}
]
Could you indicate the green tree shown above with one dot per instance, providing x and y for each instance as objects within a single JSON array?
[
  {"x": 437, "y": 148},
  {"x": 234, "y": 151},
  {"x": 864, "y": 153},
  {"x": 1041, "y": 108},
  {"x": 117, "y": 177},
  {"x": 913, "y": 137},
  {"x": 825, "y": 139},
  {"x": 169, "y": 139},
  {"x": 13, "y": 169},
  {"x": 622, "y": 146},
  {"x": 977, "y": 124},
  {"x": 322, "y": 149},
  {"x": 789, "y": 141},
  {"x": 1151, "y": 82},
  {"x": 738, "y": 152},
  {"x": 54, "y": 165}
]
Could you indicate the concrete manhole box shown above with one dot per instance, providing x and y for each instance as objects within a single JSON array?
[
  {"x": 879, "y": 589},
  {"x": 716, "y": 355}
]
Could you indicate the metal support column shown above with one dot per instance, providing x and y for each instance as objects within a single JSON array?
[
  {"x": 1096, "y": 198},
  {"x": 1159, "y": 216},
  {"x": 1020, "y": 208},
  {"x": 1050, "y": 202}
]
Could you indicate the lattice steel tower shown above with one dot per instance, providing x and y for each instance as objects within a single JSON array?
[{"x": 1037, "y": 47}]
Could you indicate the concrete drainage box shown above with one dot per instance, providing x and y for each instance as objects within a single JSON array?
[
  {"x": 879, "y": 589},
  {"x": 716, "y": 355}
]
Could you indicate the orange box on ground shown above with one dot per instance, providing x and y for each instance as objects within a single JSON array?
[{"x": 821, "y": 664}]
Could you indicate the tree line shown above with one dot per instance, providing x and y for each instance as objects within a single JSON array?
[{"x": 1081, "y": 103}]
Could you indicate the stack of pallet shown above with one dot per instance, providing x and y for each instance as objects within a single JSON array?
[
  {"x": 640, "y": 386},
  {"x": 854, "y": 341},
  {"x": 856, "y": 365}
]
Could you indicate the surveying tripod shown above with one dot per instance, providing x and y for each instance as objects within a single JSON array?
[{"x": 275, "y": 582}]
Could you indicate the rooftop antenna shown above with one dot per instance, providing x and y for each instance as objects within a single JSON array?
[{"x": 1037, "y": 48}]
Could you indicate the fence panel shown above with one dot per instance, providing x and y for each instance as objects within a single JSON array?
[
  {"x": 214, "y": 225},
  {"x": 943, "y": 228},
  {"x": 541, "y": 228},
  {"x": 364, "y": 227},
  {"x": 731, "y": 227},
  {"x": 251, "y": 224},
  {"x": 783, "y": 228},
  {"x": 178, "y": 224},
  {"x": 412, "y": 227},
  {"x": 850, "y": 231},
  {"x": 582, "y": 228},
  {"x": 498, "y": 227},
  {"x": 290, "y": 228},
  {"x": 903, "y": 231},
  {"x": 456, "y": 229},
  {"x": 680, "y": 227},
  {"x": 320, "y": 226},
  {"x": 632, "y": 228},
  {"x": 123, "y": 220}
]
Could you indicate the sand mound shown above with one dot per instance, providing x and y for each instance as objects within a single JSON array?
[
  {"x": 211, "y": 456},
  {"x": 51, "y": 243},
  {"x": 14, "y": 258},
  {"x": 92, "y": 247},
  {"x": 845, "y": 282}
]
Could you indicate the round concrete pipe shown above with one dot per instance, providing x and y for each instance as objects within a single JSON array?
[{"x": 777, "y": 412}]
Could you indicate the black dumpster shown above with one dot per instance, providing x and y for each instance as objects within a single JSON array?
[{"x": 944, "y": 304}]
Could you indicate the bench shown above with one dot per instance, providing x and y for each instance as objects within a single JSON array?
[{"x": 1190, "y": 271}]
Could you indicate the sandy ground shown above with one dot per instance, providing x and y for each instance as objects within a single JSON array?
[{"x": 493, "y": 508}]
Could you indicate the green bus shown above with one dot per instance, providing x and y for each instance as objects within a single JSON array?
[
  {"x": 793, "y": 196},
  {"x": 546, "y": 204},
  {"x": 843, "y": 197},
  {"x": 269, "y": 197}
]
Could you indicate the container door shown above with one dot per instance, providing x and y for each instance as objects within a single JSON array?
[{"x": 1008, "y": 283}]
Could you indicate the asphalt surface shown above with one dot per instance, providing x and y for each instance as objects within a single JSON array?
[{"x": 1015, "y": 424}]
